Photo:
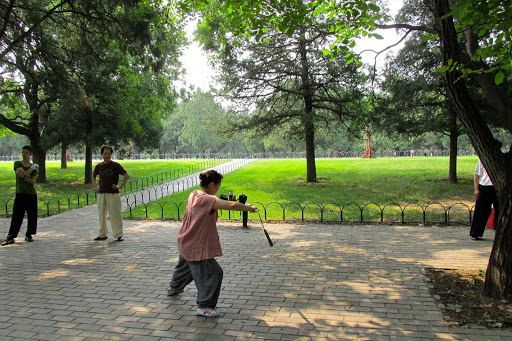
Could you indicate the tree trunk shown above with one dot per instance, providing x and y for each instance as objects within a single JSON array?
[
  {"x": 454, "y": 135},
  {"x": 63, "y": 156},
  {"x": 39, "y": 157},
  {"x": 309, "y": 125},
  {"x": 498, "y": 280},
  {"x": 310, "y": 148},
  {"x": 88, "y": 164}
]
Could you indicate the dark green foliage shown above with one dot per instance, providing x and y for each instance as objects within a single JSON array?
[
  {"x": 74, "y": 67},
  {"x": 284, "y": 80}
]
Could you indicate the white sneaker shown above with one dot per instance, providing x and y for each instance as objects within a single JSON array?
[{"x": 208, "y": 312}]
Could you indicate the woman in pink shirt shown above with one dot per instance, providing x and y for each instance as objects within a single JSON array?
[{"x": 198, "y": 244}]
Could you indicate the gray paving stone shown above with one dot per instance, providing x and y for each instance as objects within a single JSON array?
[
  {"x": 112, "y": 329},
  {"x": 71, "y": 338},
  {"x": 22, "y": 334},
  {"x": 48, "y": 337},
  {"x": 318, "y": 282},
  {"x": 92, "y": 334}
]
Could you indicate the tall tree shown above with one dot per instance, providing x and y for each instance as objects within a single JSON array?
[
  {"x": 285, "y": 77},
  {"x": 113, "y": 107},
  {"x": 412, "y": 100},
  {"x": 416, "y": 92},
  {"x": 195, "y": 126},
  {"x": 43, "y": 40},
  {"x": 201, "y": 125},
  {"x": 483, "y": 53}
]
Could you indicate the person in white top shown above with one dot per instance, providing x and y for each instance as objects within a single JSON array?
[{"x": 486, "y": 198}]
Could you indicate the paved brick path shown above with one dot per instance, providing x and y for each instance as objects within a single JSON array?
[{"x": 319, "y": 282}]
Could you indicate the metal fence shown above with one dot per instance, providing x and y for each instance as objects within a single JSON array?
[
  {"x": 147, "y": 195},
  {"x": 144, "y": 182},
  {"x": 392, "y": 213},
  {"x": 141, "y": 197},
  {"x": 55, "y": 205},
  {"x": 142, "y": 205},
  {"x": 262, "y": 155}
]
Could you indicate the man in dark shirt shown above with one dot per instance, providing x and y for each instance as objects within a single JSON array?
[
  {"x": 108, "y": 194},
  {"x": 26, "y": 198}
]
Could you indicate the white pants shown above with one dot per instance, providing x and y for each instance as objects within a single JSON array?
[{"x": 111, "y": 203}]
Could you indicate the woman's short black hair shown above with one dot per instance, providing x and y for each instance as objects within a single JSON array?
[
  {"x": 209, "y": 176},
  {"x": 27, "y": 148}
]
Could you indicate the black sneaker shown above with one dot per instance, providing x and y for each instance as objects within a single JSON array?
[
  {"x": 100, "y": 238},
  {"x": 120, "y": 239},
  {"x": 29, "y": 239},
  {"x": 8, "y": 241}
]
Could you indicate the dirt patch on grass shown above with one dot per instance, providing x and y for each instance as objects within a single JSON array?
[
  {"x": 460, "y": 295},
  {"x": 318, "y": 181}
]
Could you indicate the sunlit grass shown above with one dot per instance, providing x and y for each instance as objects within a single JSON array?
[
  {"x": 65, "y": 188},
  {"x": 281, "y": 186}
]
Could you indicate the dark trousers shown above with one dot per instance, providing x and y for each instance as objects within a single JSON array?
[
  {"x": 206, "y": 274},
  {"x": 23, "y": 203},
  {"x": 483, "y": 210}
]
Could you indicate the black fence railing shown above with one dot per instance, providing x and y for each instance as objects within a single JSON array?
[
  {"x": 392, "y": 213},
  {"x": 144, "y": 182},
  {"x": 262, "y": 155},
  {"x": 153, "y": 193},
  {"x": 55, "y": 205},
  {"x": 141, "y": 196}
]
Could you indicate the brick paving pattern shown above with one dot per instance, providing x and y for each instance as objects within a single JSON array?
[{"x": 318, "y": 282}]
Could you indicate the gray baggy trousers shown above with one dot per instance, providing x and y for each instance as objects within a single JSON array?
[{"x": 206, "y": 274}]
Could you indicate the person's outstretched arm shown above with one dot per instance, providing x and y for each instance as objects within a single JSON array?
[{"x": 232, "y": 205}]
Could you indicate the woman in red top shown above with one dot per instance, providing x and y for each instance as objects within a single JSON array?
[{"x": 198, "y": 244}]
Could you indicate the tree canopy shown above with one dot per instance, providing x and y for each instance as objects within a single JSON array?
[
  {"x": 479, "y": 47},
  {"x": 284, "y": 79},
  {"x": 66, "y": 52}
]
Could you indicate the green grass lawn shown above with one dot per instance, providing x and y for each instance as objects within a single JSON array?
[
  {"x": 65, "y": 187},
  {"x": 279, "y": 185}
]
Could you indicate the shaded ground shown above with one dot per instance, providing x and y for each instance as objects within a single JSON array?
[{"x": 460, "y": 293}]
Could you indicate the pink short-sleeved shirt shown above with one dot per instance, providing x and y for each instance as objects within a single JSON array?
[{"x": 198, "y": 238}]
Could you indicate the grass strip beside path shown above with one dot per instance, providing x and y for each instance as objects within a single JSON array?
[
  {"x": 64, "y": 184},
  {"x": 381, "y": 181}
]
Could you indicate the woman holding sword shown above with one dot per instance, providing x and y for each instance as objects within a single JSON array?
[{"x": 199, "y": 244}]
